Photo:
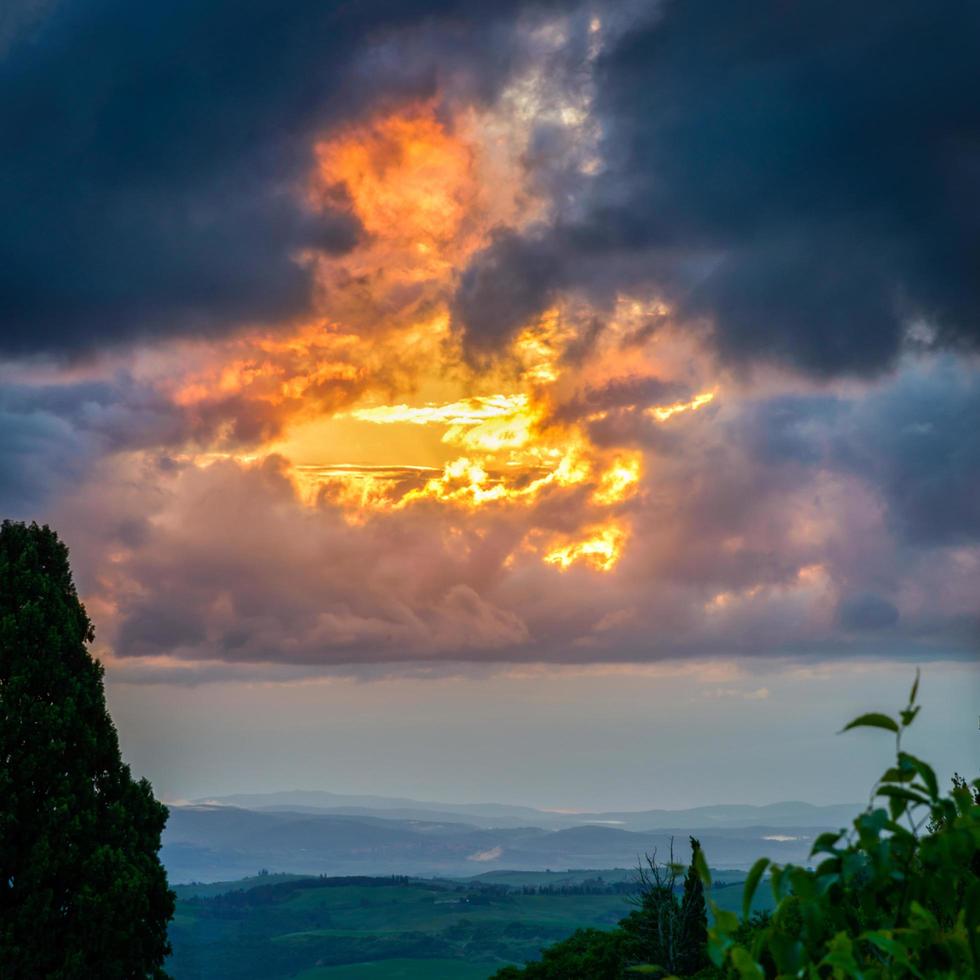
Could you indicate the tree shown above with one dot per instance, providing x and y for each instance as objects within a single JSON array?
[
  {"x": 663, "y": 932},
  {"x": 654, "y": 927},
  {"x": 660, "y": 936},
  {"x": 692, "y": 952},
  {"x": 587, "y": 954},
  {"x": 82, "y": 890}
]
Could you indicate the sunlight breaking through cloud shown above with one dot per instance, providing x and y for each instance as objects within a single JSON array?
[{"x": 504, "y": 415}]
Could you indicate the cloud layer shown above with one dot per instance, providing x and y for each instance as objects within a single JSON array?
[
  {"x": 801, "y": 177},
  {"x": 420, "y": 333},
  {"x": 152, "y": 184}
]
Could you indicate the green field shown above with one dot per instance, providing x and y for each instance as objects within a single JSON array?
[
  {"x": 399, "y": 970},
  {"x": 273, "y": 927},
  {"x": 557, "y": 878},
  {"x": 212, "y": 888}
]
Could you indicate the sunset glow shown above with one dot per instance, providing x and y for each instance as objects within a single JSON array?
[
  {"x": 451, "y": 353},
  {"x": 456, "y": 436},
  {"x": 600, "y": 549},
  {"x": 569, "y": 406}
]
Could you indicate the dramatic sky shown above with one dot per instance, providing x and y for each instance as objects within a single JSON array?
[{"x": 573, "y": 404}]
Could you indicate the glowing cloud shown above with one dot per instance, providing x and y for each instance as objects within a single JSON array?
[
  {"x": 493, "y": 419},
  {"x": 664, "y": 412},
  {"x": 470, "y": 411},
  {"x": 619, "y": 481},
  {"x": 600, "y": 549}
]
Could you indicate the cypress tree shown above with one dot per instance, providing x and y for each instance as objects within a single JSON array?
[
  {"x": 693, "y": 945},
  {"x": 82, "y": 890}
]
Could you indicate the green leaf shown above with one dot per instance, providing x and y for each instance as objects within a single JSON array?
[
  {"x": 776, "y": 882},
  {"x": 901, "y": 793},
  {"x": 921, "y": 918},
  {"x": 908, "y": 715},
  {"x": 786, "y": 951},
  {"x": 915, "y": 688},
  {"x": 751, "y": 884},
  {"x": 830, "y": 868},
  {"x": 717, "y": 945},
  {"x": 873, "y": 719},
  {"x": 924, "y": 770},
  {"x": 895, "y": 775},
  {"x": 825, "y": 842},
  {"x": 872, "y": 821},
  {"x": 971, "y": 910},
  {"x": 726, "y": 921},
  {"x": 841, "y": 956},
  {"x": 892, "y": 947},
  {"x": 747, "y": 967},
  {"x": 718, "y": 935}
]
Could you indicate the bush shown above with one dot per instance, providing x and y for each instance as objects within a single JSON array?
[
  {"x": 898, "y": 896},
  {"x": 588, "y": 954}
]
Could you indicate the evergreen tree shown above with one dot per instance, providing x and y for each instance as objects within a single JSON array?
[
  {"x": 693, "y": 945},
  {"x": 587, "y": 954},
  {"x": 82, "y": 890}
]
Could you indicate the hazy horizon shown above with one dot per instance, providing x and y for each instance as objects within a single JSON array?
[{"x": 664, "y": 736}]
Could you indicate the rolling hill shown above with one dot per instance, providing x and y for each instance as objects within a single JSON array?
[
  {"x": 210, "y": 842},
  {"x": 788, "y": 814}
]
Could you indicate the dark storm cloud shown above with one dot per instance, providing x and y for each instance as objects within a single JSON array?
[
  {"x": 509, "y": 281},
  {"x": 121, "y": 413},
  {"x": 52, "y": 435},
  {"x": 634, "y": 391},
  {"x": 38, "y": 454},
  {"x": 153, "y": 152},
  {"x": 803, "y": 175},
  {"x": 915, "y": 441},
  {"x": 919, "y": 443},
  {"x": 124, "y": 413},
  {"x": 614, "y": 417},
  {"x": 867, "y": 612}
]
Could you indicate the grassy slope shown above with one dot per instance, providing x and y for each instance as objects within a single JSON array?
[
  {"x": 422, "y": 929},
  {"x": 208, "y": 889},
  {"x": 518, "y": 878},
  {"x": 401, "y": 970}
]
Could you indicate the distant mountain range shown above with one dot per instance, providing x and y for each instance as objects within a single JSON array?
[
  {"x": 728, "y": 815},
  {"x": 313, "y": 833}
]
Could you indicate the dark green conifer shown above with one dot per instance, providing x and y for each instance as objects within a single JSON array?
[
  {"x": 82, "y": 890},
  {"x": 693, "y": 945}
]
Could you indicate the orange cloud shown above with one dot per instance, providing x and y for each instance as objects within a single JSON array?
[
  {"x": 372, "y": 409},
  {"x": 600, "y": 547},
  {"x": 408, "y": 180}
]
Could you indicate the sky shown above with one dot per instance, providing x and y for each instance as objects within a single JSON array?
[{"x": 572, "y": 404}]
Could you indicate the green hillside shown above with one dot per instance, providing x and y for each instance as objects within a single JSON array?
[
  {"x": 399, "y": 970},
  {"x": 265, "y": 928},
  {"x": 211, "y": 888}
]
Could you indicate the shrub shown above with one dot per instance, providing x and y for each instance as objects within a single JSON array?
[{"x": 896, "y": 896}]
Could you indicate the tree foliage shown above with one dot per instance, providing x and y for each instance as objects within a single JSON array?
[
  {"x": 663, "y": 932},
  {"x": 82, "y": 890},
  {"x": 898, "y": 896},
  {"x": 661, "y": 936},
  {"x": 588, "y": 954},
  {"x": 693, "y": 946}
]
